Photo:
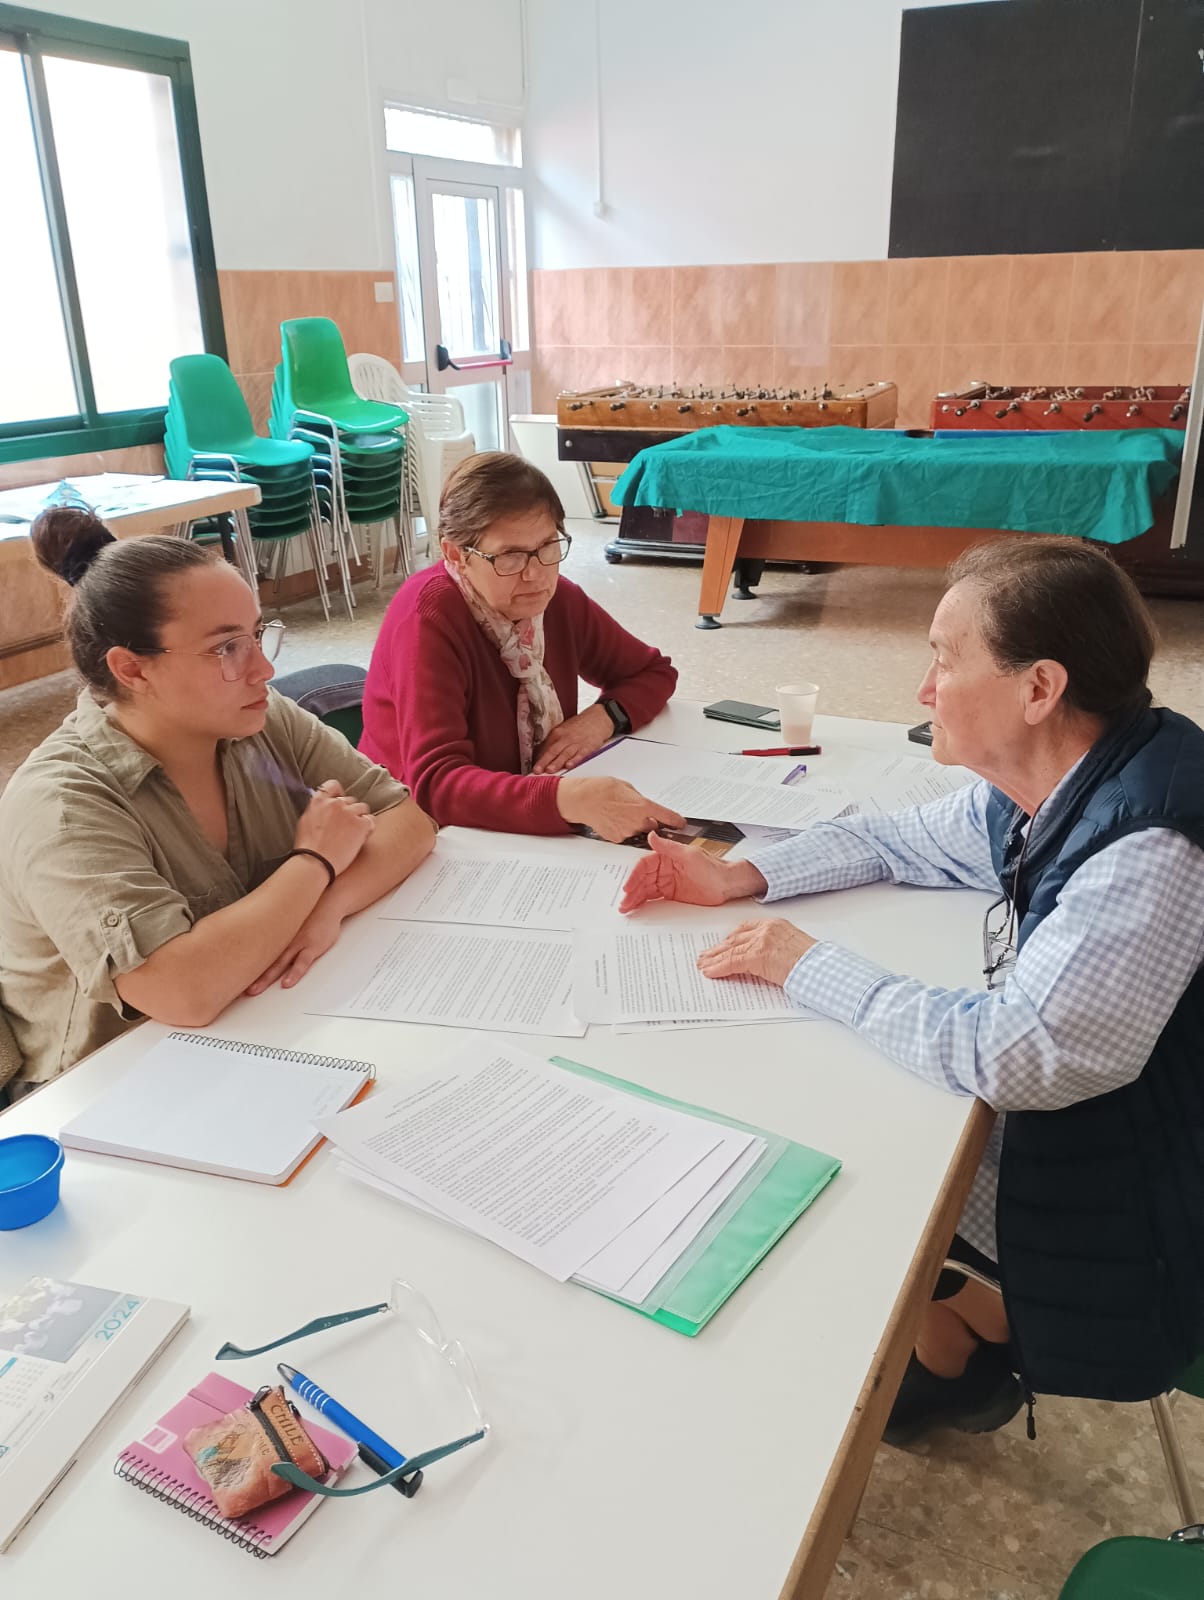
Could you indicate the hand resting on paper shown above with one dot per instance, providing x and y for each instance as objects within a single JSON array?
[
  {"x": 573, "y": 739},
  {"x": 611, "y": 808},
  {"x": 680, "y": 872},
  {"x": 768, "y": 949}
]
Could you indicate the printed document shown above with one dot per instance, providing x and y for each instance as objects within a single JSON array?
[
  {"x": 512, "y": 980},
  {"x": 702, "y": 783},
  {"x": 653, "y": 976},
  {"x": 550, "y": 1165},
  {"x": 892, "y": 783},
  {"x": 501, "y": 891}
]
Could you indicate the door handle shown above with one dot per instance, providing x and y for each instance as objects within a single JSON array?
[{"x": 502, "y": 359}]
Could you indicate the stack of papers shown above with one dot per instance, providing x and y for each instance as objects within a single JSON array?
[{"x": 580, "y": 1179}]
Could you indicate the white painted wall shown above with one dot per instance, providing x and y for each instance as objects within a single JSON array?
[
  {"x": 288, "y": 98},
  {"x": 760, "y": 130}
]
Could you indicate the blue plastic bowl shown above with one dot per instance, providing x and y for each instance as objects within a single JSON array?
[{"x": 30, "y": 1167}]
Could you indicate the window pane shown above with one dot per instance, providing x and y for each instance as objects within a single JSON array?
[
  {"x": 435, "y": 133},
  {"x": 405, "y": 233},
  {"x": 36, "y": 381},
  {"x": 119, "y": 161},
  {"x": 516, "y": 241},
  {"x": 482, "y": 404},
  {"x": 466, "y": 268}
]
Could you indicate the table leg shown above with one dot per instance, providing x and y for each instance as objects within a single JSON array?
[
  {"x": 723, "y": 540},
  {"x": 748, "y": 572}
]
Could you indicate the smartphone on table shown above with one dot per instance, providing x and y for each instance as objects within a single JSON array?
[{"x": 748, "y": 716}]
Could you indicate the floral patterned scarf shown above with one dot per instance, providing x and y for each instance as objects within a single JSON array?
[{"x": 520, "y": 645}]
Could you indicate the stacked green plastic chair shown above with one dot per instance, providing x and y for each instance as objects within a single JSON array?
[
  {"x": 1139, "y": 1569},
  {"x": 209, "y": 436},
  {"x": 358, "y": 445}
]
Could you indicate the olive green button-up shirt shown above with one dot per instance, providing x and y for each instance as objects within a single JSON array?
[{"x": 101, "y": 862}]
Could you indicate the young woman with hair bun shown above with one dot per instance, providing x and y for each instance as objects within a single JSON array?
[{"x": 186, "y": 835}]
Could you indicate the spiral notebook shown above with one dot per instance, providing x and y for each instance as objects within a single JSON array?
[
  {"x": 159, "y": 1464},
  {"x": 217, "y": 1105}
]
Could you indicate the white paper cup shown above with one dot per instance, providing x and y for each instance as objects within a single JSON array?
[{"x": 796, "y": 706}]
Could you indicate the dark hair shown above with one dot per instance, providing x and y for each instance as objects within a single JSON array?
[
  {"x": 490, "y": 485},
  {"x": 1065, "y": 600},
  {"x": 119, "y": 587}
]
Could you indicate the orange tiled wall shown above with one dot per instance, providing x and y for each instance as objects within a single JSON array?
[
  {"x": 254, "y": 304},
  {"x": 925, "y": 324}
]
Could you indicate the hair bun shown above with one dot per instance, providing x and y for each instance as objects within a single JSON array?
[{"x": 67, "y": 540}]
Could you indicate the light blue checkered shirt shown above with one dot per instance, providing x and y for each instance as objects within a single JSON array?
[{"x": 1079, "y": 1013}]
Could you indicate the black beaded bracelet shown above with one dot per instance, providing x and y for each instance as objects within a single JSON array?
[{"x": 302, "y": 851}]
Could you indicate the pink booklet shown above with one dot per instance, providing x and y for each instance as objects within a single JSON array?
[{"x": 159, "y": 1464}]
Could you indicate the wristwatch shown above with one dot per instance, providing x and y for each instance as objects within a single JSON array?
[{"x": 612, "y": 708}]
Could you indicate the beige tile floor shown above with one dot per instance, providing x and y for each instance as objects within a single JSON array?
[{"x": 957, "y": 1518}]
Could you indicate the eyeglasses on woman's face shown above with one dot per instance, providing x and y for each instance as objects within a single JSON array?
[
  {"x": 235, "y": 655},
  {"x": 509, "y": 563}
]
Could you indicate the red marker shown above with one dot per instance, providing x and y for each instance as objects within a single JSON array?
[{"x": 785, "y": 750}]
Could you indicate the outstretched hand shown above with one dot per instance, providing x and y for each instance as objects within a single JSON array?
[{"x": 675, "y": 871}]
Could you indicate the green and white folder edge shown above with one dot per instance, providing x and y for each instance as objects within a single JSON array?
[{"x": 777, "y": 1190}]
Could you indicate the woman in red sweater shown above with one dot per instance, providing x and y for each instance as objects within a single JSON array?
[{"x": 472, "y": 693}]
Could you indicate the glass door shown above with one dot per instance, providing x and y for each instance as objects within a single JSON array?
[
  {"x": 460, "y": 233},
  {"x": 467, "y": 351}
]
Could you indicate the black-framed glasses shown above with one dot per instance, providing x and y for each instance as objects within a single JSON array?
[
  {"x": 234, "y": 655},
  {"x": 509, "y": 563},
  {"x": 999, "y": 927}
]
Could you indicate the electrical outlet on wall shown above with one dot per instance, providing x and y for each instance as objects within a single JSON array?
[{"x": 383, "y": 290}]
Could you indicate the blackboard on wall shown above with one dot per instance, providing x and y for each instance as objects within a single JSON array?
[{"x": 1041, "y": 125}]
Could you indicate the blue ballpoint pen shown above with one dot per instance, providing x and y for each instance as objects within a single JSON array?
[{"x": 380, "y": 1455}]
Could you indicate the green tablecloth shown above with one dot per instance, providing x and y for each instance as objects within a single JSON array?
[{"x": 1093, "y": 485}]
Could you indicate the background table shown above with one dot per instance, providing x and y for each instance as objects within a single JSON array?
[
  {"x": 31, "y": 599},
  {"x": 625, "y": 1459}
]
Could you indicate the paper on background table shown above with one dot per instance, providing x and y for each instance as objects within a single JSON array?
[
  {"x": 702, "y": 783},
  {"x": 652, "y": 975},
  {"x": 499, "y": 891},
  {"x": 514, "y": 980},
  {"x": 545, "y": 1164}
]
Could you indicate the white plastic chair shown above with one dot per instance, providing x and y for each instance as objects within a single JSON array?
[{"x": 439, "y": 433}]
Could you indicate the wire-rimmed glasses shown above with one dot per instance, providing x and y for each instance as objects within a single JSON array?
[
  {"x": 999, "y": 941},
  {"x": 509, "y": 563},
  {"x": 236, "y": 654}
]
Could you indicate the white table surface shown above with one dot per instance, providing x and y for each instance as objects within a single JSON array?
[
  {"x": 625, "y": 1459},
  {"x": 133, "y": 503}
]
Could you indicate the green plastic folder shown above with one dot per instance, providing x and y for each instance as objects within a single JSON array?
[{"x": 744, "y": 1229}]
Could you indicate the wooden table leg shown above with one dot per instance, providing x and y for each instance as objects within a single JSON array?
[{"x": 723, "y": 540}]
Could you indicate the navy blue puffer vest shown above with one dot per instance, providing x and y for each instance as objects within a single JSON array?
[{"x": 1100, "y": 1215}]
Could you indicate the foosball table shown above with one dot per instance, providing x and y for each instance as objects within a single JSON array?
[
  {"x": 605, "y": 428},
  {"x": 1050, "y": 406}
]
